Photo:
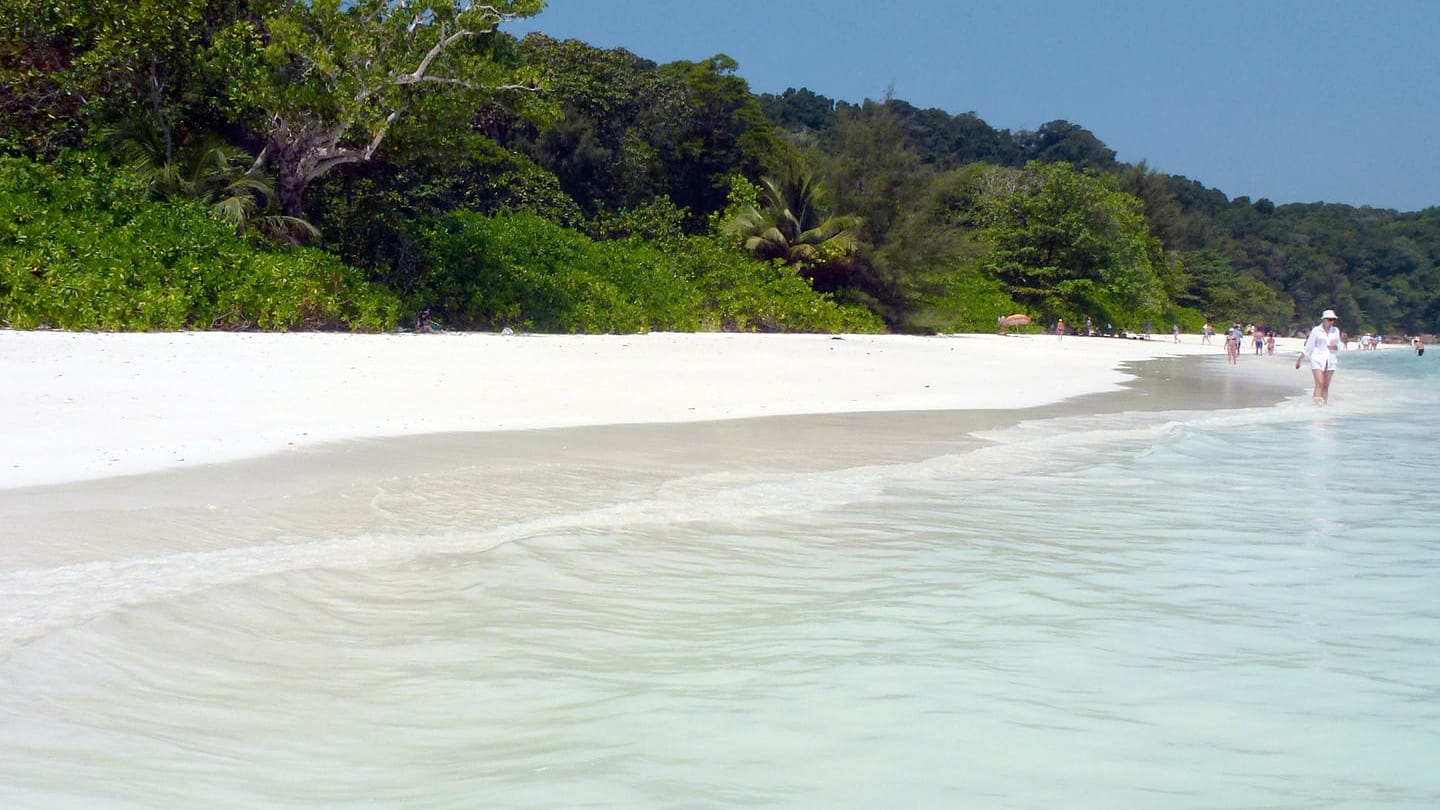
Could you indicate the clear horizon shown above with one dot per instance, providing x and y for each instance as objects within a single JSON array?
[{"x": 1288, "y": 100}]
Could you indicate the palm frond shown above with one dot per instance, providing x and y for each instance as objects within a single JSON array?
[{"x": 279, "y": 227}]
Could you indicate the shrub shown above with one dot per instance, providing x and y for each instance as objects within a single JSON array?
[
  {"x": 524, "y": 271},
  {"x": 82, "y": 247},
  {"x": 968, "y": 301}
]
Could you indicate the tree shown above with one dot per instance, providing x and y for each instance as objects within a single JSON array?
[
  {"x": 872, "y": 166},
  {"x": 788, "y": 223},
  {"x": 705, "y": 126},
  {"x": 67, "y": 63},
  {"x": 630, "y": 131},
  {"x": 1161, "y": 209},
  {"x": 799, "y": 111},
  {"x": 1064, "y": 142},
  {"x": 1070, "y": 243},
  {"x": 933, "y": 280},
  {"x": 326, "y": 80},
  {"x": 948, "y": 141},
  {"x": 599, "y": 148}
]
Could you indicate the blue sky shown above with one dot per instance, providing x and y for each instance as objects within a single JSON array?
[{"x": 1294, "y": 100}]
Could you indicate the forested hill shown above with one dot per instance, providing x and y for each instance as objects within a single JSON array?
[
  {"x": 1250, "y": 261},
  {"x": 294, "y": 164}
]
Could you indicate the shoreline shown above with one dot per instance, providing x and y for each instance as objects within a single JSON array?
[
  {"x": 101, "y": 406},
  {"x": 445, "y": 484}
]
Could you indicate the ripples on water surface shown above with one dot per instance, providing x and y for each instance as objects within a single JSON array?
[{"x": 1236, "y": 609}]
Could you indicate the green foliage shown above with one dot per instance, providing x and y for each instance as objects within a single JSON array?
[
  {"x": 326, "y": 80},
  {"x": 1070, "y": 244},
  {"x": 873, "y": 167},
  {"x": 523, "y": 271},
  {"x": 934, "y": 239},
  {"x": 799, "y": 110},
  {"x": 65, "y": 64},
  {"x": 740, "y": 294},
  {"x": 656, "y": 221},
  {"x": 631, "y": 131},
  {"x": 1064, "y": 142},
  {"x": 968, "y": 301},
  {"x": 792, "y": 225},
  {"x": 83, "y": 247},
  {"x": 210, "y": 171},
  {"x": 365, "y": 210},
  {"x": 1226, "y": 295}
]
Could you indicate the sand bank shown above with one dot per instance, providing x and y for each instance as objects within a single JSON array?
[{"x": 84, "y": 406}]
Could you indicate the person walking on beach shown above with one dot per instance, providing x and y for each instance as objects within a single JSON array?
[
  {"x": 1175, "y": 331},
  {"x": 1321, "y": 349},
  {"x": 1060, "y": 329},
  {"x": 1206, "y": 332},
  {"x": 1232, "y": 345}
]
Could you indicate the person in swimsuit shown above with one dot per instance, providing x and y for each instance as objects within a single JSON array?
[{"x": 1322, "y": 348}]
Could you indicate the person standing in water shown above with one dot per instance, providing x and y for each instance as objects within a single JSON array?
[
  {"x": 1232, "y": 344},
  {"x": 1322, "y": 348}
]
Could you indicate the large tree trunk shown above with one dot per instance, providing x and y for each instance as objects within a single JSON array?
[
  {"x": 290, "y": 184},
  {"x": 307, "y": 154}
]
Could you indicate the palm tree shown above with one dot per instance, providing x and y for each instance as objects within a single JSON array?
[
  {"x": 213, "y": 172},
  {"x": 789, "y": 223}
]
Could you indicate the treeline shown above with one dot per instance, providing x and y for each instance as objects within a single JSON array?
[
  {"x": 1235, "y": 260},
  {"x": 324, "y": 164}
]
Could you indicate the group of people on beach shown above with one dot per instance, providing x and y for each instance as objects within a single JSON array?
[
  {"x": 1322, "y": 346},
  {"x": 1367, "y": 341},
  {"x": 1263, "y": 339},
  {"x": 1090, "y": 330}
]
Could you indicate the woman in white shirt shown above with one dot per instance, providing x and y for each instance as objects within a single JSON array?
[{"x": 1322, "y": 348}]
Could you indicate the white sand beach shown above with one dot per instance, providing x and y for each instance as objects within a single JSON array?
[{"x": 83, "y": 406}]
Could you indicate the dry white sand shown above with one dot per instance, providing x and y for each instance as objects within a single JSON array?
[{"x": 81, "y": 406}]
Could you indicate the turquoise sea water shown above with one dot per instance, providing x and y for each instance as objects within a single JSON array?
[{"x": 1180, "y": 609}]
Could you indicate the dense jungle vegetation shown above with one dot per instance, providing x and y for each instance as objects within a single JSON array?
[{"x": 295, "y": 164}]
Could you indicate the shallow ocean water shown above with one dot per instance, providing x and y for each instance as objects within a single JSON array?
[{"x": 1154, "y": 609}]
